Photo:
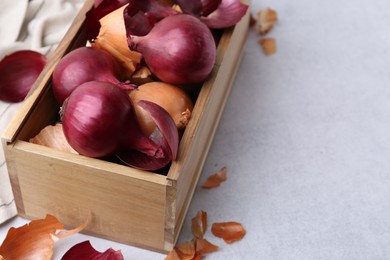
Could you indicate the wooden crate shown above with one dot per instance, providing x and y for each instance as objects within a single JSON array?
[{"x": 124, "y": 204}]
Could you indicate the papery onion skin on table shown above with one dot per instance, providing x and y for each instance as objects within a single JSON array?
[
  {"x": 170, "y": 97},
  {"x": 98, "y": 120},
  {"x": 35, "y": 240},
  {"x": 85, "y": 250},
  {"x": 82, "y": 65},
  {"x": 229, "y": 231},
  {"x": 179, "y": 49},
  {"x": 18, "y": 72}
]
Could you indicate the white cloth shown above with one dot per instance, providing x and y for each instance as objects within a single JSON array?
[{"x": 37, "y": 25}]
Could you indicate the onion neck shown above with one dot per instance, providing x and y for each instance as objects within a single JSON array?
[
  {"x": 126, "y": 85},
  {"x": 133, "y": 42}
]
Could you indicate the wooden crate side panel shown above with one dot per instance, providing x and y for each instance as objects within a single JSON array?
[
  {"x": 122, "y": 208},
  {"x": 170, "y": 216},
  {"x": 201, "y": 129}
]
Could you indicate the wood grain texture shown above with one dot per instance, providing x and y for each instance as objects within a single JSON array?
[{"x": 123, "y": 208}]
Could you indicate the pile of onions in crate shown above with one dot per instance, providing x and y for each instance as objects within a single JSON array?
[{"x": 129, "y": 94}]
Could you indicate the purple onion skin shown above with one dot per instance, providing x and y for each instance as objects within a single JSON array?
[
  {"x": 228, "y": 13},
  {"x": 82, "y": 65},
  {"x": 180, "y": 49},
  {"x": 18, "y": 72},
  {"x": 165, "y": 135},
  {"x": 85, "y": 250},
  {"x": 99, "y": 120}
]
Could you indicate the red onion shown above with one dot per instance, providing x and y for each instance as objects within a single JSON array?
[
  {"x": 217, "y": 14},
  {"x": 18, "y": 72},
  {"x": 82, "y": 65},
  {"x": 98, "y": 120},
  {"x": 179, "y": 49}
]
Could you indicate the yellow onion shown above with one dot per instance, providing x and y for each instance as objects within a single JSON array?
[
  {"x": 112, "y": 38},
  {"x": 173, "y": 99}
]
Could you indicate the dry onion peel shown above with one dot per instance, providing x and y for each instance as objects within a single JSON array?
[
  {"x": 217, "y": 14},
  {"x": 141, "y": 75},
  {"x": 164, "y": 123},
  {"x": 186, "y": 250},
  {"x": 85, "y": 250},
  {"x": 215, "y": 179},
  {"x": 203, "y": 246},
  {"x": 199, "y": 224},
  {"x": 227, "y": 14},
  {"x": 268, "y": 45},
  {"x": 198, "y": 246},
  {"x": 141, "y": 15},
  {"x": 172, "y": 255},
  {"x": 112, "y": 38},
  {"x": 191, "y": 250},
  {"x": 101, "y": 9},
  {"x": 229, "y": 231},
  {"x": 53, "y": 136},
  {"x": 35, "y": 240},
  {"x": 265, "y": 20},
  {"x": 165, "y": 136}
]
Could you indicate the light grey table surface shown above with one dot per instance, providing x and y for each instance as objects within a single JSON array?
[{"x": 305, "y": 136}]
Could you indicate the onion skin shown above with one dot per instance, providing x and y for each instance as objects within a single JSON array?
[
  {"x": 101, "y": 9},
  {"x": 144, "y": 12},
  {"x": 82, "y": 65},
  {"x": 228, "y": 13},
  {"x": 85, "y": 250},
  {"x": 165, "y": 135},
  {"x": 18, "y": 72},
  {"x": 112, "y": 38},
  {"x": 208, "y": 6},
  {"x": 179, "y": 49},
  {"x": 141, "y": 15},
  {"x": 216, "y": 14},
  {"x": 193, "y": 7},
  {"x": 99, "y": 120},
  {"x": 172, "y": 98}
]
